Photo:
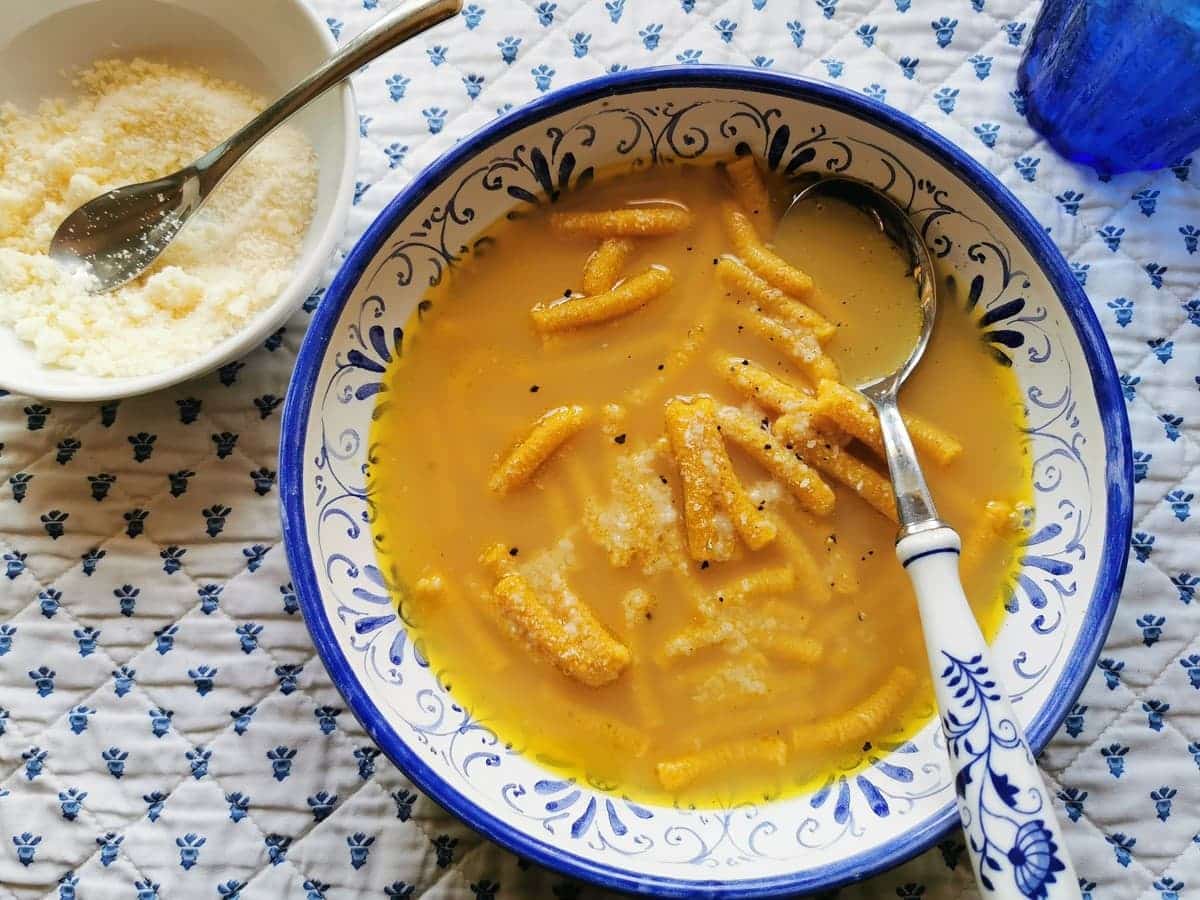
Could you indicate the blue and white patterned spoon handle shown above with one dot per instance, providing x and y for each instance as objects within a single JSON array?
[{"x": 1013, "y": 837}]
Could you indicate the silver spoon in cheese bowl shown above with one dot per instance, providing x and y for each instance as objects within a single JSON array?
[
  {"x": 1016, "y": 846},
  {"x": 118, "y": 235}
]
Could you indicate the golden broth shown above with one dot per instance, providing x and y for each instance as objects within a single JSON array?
[{"x": 475, "y": 374}]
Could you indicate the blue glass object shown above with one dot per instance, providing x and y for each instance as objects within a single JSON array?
[{"x": 1115, "y": 83}]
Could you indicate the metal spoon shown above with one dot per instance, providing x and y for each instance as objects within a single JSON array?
[
  {"x": 1014, "y": 840},
  {"x": 119, "y": 234}
]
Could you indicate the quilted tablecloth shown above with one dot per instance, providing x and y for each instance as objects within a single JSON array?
[{"x": 165, "y": 729}]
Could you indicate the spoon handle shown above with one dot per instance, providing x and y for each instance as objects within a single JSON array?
[
  {"x": 1013, "y": 837},
  {"x": 410, "y": 17}
]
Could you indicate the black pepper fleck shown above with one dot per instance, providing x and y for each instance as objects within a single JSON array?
[
  {"x": 513, "y": 551},
  {"x": 661, "y": 366},
  {"x": 704, "y": 565},
  {"x": 620, "y": 438},
  {"x": 534, "y": 388}
]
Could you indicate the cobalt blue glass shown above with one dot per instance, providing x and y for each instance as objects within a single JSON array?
[{"x": 1115, "y": 83}]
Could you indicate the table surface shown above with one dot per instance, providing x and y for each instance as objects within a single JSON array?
[{"x": 164, "y": 725}]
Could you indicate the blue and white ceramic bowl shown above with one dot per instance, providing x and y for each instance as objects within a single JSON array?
[{"x": 1028, "y": 306}]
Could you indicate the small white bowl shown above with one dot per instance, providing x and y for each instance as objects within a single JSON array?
[{"x": 43, "y": 44}]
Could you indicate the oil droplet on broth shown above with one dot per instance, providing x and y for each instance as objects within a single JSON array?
[{"x": 853, "y": 263}]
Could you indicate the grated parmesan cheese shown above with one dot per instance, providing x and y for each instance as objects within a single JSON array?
[
  {"x": 641, "y": 524},
  {"x": 137, "y": 120},
  {"x": 767, "y": 492},
  {"x": 745, "y": 678}
]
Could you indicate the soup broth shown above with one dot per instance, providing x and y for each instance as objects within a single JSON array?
[{"x": 677, "y": 600}]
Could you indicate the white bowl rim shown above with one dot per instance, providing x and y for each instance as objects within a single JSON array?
[
  {"x": 306, "y": 274},
  {"x": 1113, "y": 419}
]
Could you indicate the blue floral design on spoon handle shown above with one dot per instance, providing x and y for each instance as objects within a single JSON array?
[{"x": 1014, "y": 840}]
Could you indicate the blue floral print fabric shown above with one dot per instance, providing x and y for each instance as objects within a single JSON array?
[{"x": 165, "y": 728}]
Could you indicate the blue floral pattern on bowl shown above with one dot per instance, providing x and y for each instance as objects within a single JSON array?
[{"x": 898, "y": 798}]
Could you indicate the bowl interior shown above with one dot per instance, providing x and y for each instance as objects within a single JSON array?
[
  {"x": 1030, "y": 309},
  {"x": 43, "y": 44}
]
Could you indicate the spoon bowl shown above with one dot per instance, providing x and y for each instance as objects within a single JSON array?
[
  {"x": 891, "y": 220},
  {"x": 118, "y": 235}
]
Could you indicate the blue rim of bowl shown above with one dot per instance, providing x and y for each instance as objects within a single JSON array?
[{"x": 1115, "y": 427}]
